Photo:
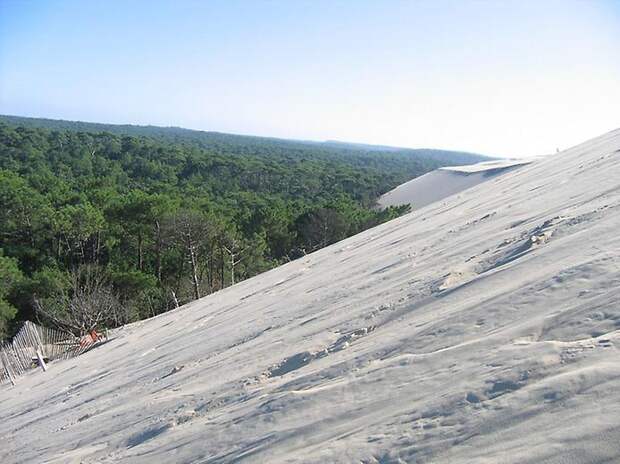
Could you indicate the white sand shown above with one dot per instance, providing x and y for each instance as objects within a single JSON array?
[
  {"x": 481, "y": 329},
  {"x": 487, "y": 166},
  {"x": 443, "y": 182}
]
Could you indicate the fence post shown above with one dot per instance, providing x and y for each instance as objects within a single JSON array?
[{"x": 41, "y": 361}]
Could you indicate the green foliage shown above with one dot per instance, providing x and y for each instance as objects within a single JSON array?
[
  {"x": 10, "y": 277},
  {"x": 320, "y": 227},
  {"x": 167, "y": 215}
]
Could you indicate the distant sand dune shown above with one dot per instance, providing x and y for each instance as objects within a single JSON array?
[{"x": 443, "y": 182}]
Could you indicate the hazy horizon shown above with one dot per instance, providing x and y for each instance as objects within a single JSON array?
[
  {"x": 346, "y": 142},
  {"x": 495, "y": 78}
]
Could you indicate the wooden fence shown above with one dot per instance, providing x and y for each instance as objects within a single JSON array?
[{"x": 34, "y": 345}]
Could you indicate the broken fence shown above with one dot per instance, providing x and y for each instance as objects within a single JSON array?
[{"x": 34, "y": 345}]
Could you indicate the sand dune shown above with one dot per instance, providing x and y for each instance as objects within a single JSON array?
[
  {"x": 443, "y": 182},
  {"x": 483, "y": 328}
]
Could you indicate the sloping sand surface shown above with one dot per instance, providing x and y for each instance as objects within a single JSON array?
[
  {"x": 484, "y": 328},
  {"x": 443, "y": 182}
]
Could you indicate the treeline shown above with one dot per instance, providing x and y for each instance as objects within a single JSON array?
[
  {"x": 390, "y": 161},
  {"x": 163, "y": 223}
]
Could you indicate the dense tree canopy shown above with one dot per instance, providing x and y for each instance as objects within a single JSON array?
[{"x": 166, "y": 217}]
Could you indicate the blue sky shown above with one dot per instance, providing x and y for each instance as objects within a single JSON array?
[{"x": 515, "y": 78}]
